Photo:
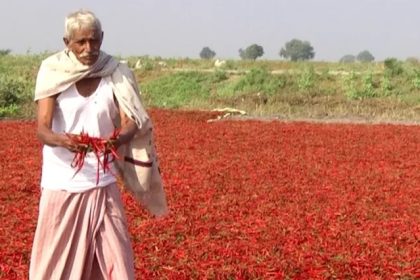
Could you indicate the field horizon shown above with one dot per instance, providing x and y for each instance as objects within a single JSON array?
[{"x": 387, "y": 91}]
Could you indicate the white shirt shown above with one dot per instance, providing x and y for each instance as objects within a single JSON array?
[{"x": 73, "y": 114}]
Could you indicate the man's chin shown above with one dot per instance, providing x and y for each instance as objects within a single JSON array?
[{"x": 88, "y": 60}]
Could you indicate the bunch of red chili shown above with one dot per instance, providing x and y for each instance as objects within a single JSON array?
[{"x": 98, "y": 146}]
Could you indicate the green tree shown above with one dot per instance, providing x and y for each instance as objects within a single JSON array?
[
  {"x": 297, "y": 50},
  {"x": 252, "y": 52},
  {"x": 5, "y": 52},
  {"x": 348, "y": 58},
  {"x": 365, "y": 56},
  {"x": 207, "y": 53}
]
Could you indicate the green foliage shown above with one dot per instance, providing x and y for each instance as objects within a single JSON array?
[
  {"x": 368, "y": 86},
  {"x": 148, "y": 66},
  {"x": 350, "y": 85},
  {"x": 17, "y": 82},
  {"x": 357, "y": 87},
  {"x": 219, "y": 76},
  {"x": 177, "y": 90},
  {"x": 252, "y": 52},
  {"x": 416, "y": 79},
  {"x": 5, "y": 52},
  {"x": 393, "y": 67},
  {"x": 296, "y": 50},
  {"x": 230, "y": 64},
  {"x": 365, "y": 56},
  {"x": 9, "y": 111},
  {"x": 207, "y": 53},
  {"x": 387, "y": 86},
  {"x": 13, "y": 92},
  {"x": 240, "y": 82},
  {"x": 306, "y": 79},
  {"x": 259, "y": 80}
]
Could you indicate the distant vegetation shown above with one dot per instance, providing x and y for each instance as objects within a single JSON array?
[
  {"x": 5, "y": 52},
  {"x": 17, "y": 83},
  {"x": 363, "y": 56},
  {"x": 296, "y": 50},
  {"x": 251, "y": 52},
  {"x": 388, "y": 90},
  {"x": 207, "y": 53},
  {"x": 348, "y": 58}
]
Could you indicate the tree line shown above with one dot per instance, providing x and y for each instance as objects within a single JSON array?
[{"x": 294, "y": 50}]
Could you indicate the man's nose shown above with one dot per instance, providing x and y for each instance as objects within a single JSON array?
[{"x": 88, "y": 46}]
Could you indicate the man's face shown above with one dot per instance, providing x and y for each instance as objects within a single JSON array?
[{"x": 85, "y": 44}]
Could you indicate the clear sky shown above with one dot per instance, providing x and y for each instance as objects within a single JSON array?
[{"x": 181, "y": 28}]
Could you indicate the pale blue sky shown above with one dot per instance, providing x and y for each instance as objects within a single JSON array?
[{"x": 181, "y": 28}]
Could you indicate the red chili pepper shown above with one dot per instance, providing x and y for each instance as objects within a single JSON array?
[{"x": 100, "y": 147}]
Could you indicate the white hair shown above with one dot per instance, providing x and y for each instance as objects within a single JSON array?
[{"x": 80, "y": 19}]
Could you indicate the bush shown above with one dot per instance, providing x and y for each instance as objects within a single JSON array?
[
  {"x": 9, "y": 111},
  {"x": 177, "y": 90},
  {"x": 5, "y": 52},
  {"x": 219, "y": 76},
  {"x": 416, "y": 79},
  {"x": 393, "y": 67},
  {"x": 306, "y": 78},
  {"x": 259, "y": 80},
  {"x": 386, "y": 86},
  {"x": 13, "y": 92},
  {"x": 363, "y": 88},
  {"x": 368, "y": 86}
]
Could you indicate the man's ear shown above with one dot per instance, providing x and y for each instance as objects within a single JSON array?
[
  {"x": 66, "y": 41},
  {"x": 102, "y": 37}
]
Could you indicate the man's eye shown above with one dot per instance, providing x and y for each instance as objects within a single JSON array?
[{"x": 81, "y": 42}]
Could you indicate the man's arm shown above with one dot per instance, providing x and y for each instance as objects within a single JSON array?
[
  {"x": 128, "y": 129},
  {"x": 45, "y": 113}
]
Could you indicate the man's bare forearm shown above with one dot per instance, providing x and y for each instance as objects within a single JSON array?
[{"x": 50, "y": 138}]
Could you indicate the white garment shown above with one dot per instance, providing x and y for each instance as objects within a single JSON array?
[
  {"x": 74, "y": 114},
  {"x": 61, "y": 70}
]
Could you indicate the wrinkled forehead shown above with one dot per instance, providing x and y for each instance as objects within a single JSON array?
[{"x": 86, "y": 33}]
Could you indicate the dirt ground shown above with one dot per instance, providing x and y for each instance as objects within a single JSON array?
[{"x": 333, "y": 119}]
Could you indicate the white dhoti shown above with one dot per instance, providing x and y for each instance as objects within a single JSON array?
[{"x": 82, "y": 236}]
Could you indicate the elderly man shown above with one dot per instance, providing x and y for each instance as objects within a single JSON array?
[{"x": 82, "y": 230}]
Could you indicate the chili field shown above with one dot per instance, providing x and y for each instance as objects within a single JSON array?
[{"x": 250, "y": 200}]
